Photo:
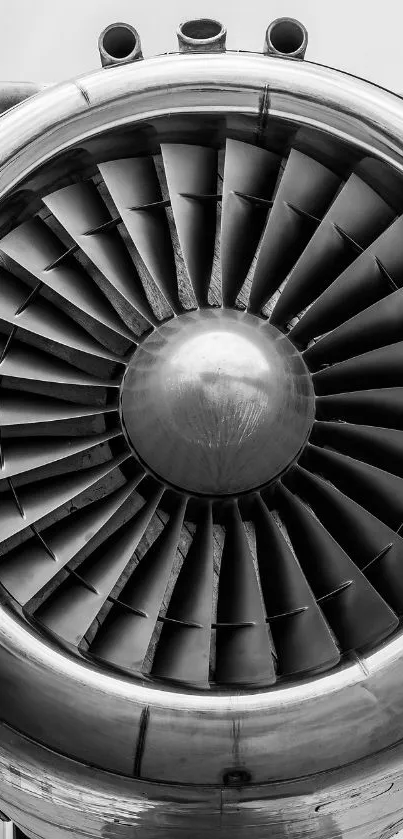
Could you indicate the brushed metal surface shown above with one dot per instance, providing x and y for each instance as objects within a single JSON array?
[{"x": 67, "y": 799}]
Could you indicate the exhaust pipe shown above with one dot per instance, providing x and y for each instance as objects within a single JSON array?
[
  {"x": 119, "y": 43},
  {"x": 286, "y": 37},
  {"x": 202, "y": 35}
]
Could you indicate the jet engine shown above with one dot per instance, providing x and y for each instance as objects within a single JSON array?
[{"x": 201, "y": 452}]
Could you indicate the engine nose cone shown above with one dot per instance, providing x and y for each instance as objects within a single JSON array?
[{"x": 217, "y": 402}]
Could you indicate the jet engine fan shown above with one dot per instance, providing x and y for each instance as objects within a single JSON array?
[{"x": 201, "y": 452}]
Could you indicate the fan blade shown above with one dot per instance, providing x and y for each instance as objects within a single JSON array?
[
  {"x": 250, "y": 175},
  {"x": 29, "y": 364},
  {"x": 379, "y": 492},
  {"x": 371, "y": 277},
  {"x": 378, "y": 368},
  {"x": 24, "y": 455},
  {"x": 372, "y": 545},
  {"x": 301, "y": 636},
  {"x": 125, "y": 635},
  {"x": 382, "y": 447},
  {"x": 26, "y": 569},
  {"x": 356, "y": 612},
  {"x": 191, "y": 173},
  {"x": 81, "y": 211},
  {"x": 35, "y": 248},
  {"x": 184, "y": 646},
  {"x": 134, "y": 186},
  {"x": 73, "y": 607},
  {"x": 357, "y": 216},
  {"x": 304, "y": 194},
  {"x": 244, "y": 652},
  {"x": 39, "y": 499},
  {"x": 18, "y": 409},
  {"x": 57, "y": 329},
  {"x": 380, "y": 324},
  {"x": 382, "y": 407}
]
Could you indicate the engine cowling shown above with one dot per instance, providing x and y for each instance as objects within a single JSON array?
[{"x": 202, "y": 449}]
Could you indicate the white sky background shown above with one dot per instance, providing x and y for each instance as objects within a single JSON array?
[{"x": 52, "y": 40}]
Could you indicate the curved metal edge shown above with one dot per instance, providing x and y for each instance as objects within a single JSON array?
[
  {"x": 68, "y": 797},
  {"x": 12, "y": 93},
  {"x": 224, "y": 83},
  {"x": 96, "y": 717}
]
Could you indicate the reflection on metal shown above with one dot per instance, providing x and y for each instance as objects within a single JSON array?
[
  {"x": 8, "y": 830},
  {"x": 228, "y": 421},
  {"x": 201, "y": 453},
  {"x": 286, "y": 37},
  {"x": 12, "y": 93},
  {"x": 201, "y": 35},
  {"x": 119, "y": 43}
]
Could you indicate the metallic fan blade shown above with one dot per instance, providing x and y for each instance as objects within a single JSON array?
[
  {"x": 377, "y": 272},
  {"x": 44, "y": 320},
  {"x": 191, "y": 173},
  {"x": 80, "y": 209},
  {"x": 134, "y": 187},
  {"x": 184, "y": 646},
  {"x": 378, "y": 491},
  {"x": 72, "y": 608},
  {"x": 25, "y": 455},
  {"x": 18, "y": 409},
  {"x": 304, "y": 194},
  {"x": 35, "y": 248},
  {"x": 301, "y": 636},
  {"x": 244, "y": 653},
  {"x": 372, "y": 545},
  {"x": 380, "y": 324},
  {"x": 382, "y": 447},
  {"x": 26, "y": 569},
  {"x": 125, "y": 635},
  {"x": 357, "y": 216},
  {"x": 29, "y": 364},
  {"x": 383, "y": 407},
  {"x": 39, "y": 499},
  {"x": 378, "y": 368},
  {"x": 356, "y": 612},
  {"x": 249, "y": 173}
]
